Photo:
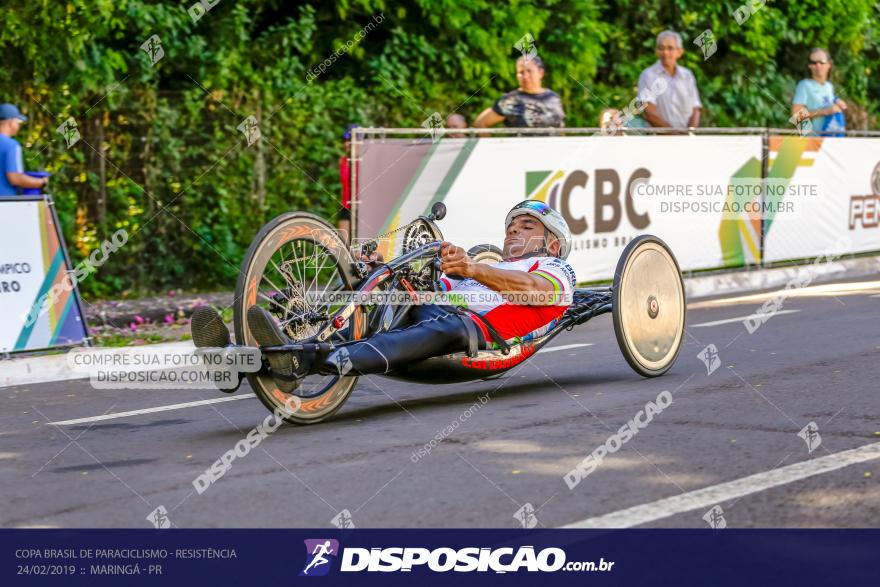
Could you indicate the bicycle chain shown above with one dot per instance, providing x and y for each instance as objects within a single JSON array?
[{"x": 368, "y": 247}]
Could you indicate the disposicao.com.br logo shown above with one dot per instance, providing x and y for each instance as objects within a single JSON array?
[{"x": 441, "y": 560}]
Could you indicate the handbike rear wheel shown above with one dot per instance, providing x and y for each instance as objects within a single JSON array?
[
  {"x": 485, "y": 254},
  {"x": 648, "y": 306},
  {"x": 293, "y": 256}
]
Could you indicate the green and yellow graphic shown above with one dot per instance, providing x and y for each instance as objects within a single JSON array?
[
  {"x": 740, "y": 238},
  {"x": 539, "y": 184}
]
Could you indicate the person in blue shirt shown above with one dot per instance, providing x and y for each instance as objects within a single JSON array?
[
  {"x": 12, "y": 175},
  {"x": 814, "y": 98}
]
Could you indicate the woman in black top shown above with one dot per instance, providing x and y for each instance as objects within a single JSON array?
[{"x": 529, "y": 106}]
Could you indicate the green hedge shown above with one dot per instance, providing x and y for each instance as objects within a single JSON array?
[{"x": 161, "y": 155}]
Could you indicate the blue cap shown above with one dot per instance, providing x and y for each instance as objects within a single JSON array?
[
  {"x": 347, "y": 134},
  {"x": 8, "y": 111}
]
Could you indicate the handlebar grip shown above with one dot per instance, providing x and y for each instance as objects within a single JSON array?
[{"x": 437, "y": 264}]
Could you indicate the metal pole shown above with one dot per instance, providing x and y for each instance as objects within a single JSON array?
[
  {"x": 354, "y": 202},
  {"x": 765, "y": 177},
  {"x": 502, "y": 131}
]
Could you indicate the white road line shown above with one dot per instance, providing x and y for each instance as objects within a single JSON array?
[
  {"x": 717, "y": 494},
  {"x": 167, "y": 408},
  {"x": 740, "y": 319},
  {"x": 565, "y": 347},
  {"x": 228, "y": 399}
]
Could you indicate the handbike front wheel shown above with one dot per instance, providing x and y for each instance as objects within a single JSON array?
[
  {"x": 648, "y": 306},
  {"x": 294, "y": 262}
]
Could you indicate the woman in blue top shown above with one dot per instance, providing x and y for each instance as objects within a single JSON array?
[{"x": 814, "y": 98}]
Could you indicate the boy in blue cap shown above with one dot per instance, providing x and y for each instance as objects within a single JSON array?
[{"x": 12, "y": 174}]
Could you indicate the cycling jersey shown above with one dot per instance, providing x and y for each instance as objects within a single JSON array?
[{"x": 516, "y": 322}]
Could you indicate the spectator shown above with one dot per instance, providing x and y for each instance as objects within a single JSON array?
[
  {"x": 456, "y": 121},
  {"x": 814, "y": 98},
  {"x": 668, "y": 90},
  {"x": 613, "y": 121},
  {"x": 344, "y": 217},
  {"x": 12, "y": 174},
  {"x": 609, "y": 118},
  {"x": 531, "y": 105}
]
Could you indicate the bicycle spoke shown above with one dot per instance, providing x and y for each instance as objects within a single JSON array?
[
  {"x": 280, "y": 272},
  {"x": 268, "y": 299},
  {"x": 277, "y": 289}
]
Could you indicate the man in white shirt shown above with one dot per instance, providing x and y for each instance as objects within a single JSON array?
[{"x": 669, "y": 90}]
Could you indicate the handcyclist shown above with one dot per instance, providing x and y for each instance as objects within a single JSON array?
[{"x": 536, "y": 281}]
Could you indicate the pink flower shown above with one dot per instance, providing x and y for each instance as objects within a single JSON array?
[
  {"x": 169, "y": 318},
  {"x": 133, "y": 327},
  {"x": 139, "y": 319}
]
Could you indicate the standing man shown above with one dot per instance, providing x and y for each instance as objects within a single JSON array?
[
  {"x": 675, "y": 103},
  {"x": 12, "y": 174}
]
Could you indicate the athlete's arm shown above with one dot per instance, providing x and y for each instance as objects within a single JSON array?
[{"x": 524, "y": 287}]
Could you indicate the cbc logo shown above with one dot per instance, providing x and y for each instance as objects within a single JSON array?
[{"x": 612, "y": 197}]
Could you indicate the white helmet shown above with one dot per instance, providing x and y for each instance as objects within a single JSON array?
[{"x": 550, "y": 218}]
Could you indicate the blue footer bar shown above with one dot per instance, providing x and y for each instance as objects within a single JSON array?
[{"x": 440, "y": 557}]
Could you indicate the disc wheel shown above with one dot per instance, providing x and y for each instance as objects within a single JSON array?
[
  {"x": 648, "y": 306},
  {"x": 485, "y": 254},
  {"x": 294, "y": 260}
]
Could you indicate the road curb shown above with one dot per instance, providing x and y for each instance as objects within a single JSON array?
[
  {"x": 45, "y": 369},
  {"x": 720, "y": 284},
  {"x": 48, "y": 368}
]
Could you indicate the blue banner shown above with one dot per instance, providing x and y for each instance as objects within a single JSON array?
[{"x": 440, "y": 557}]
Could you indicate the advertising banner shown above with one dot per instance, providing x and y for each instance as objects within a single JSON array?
[
  {"x": 846, "y": 218},
  {"x": 37, "y": 310},
  {"x": 609, "y": 188}
]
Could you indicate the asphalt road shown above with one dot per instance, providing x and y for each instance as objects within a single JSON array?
[{"x": 819, "y": 363}]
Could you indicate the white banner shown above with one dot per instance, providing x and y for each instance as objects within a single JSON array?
[
  {"x": 21, "y": 268},
  {"x": 589, "y": 180},
  {"x": 846, "y": 218},
  {"x": 33, "y": 315}
]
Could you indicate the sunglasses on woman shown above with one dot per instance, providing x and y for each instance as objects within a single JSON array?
[{"x": 822, "y": 62}]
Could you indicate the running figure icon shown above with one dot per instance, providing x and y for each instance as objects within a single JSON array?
[{"x": 319, "y": 551}]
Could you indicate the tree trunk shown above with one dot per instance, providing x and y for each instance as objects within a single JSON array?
[
  {"x": 102, "y": 171},
  {"x": 260, "y": 160}
]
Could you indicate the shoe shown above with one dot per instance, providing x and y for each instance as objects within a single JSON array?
[
  {"x": 268, "y": 333},
  {"x": 208, "y": 329}
]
